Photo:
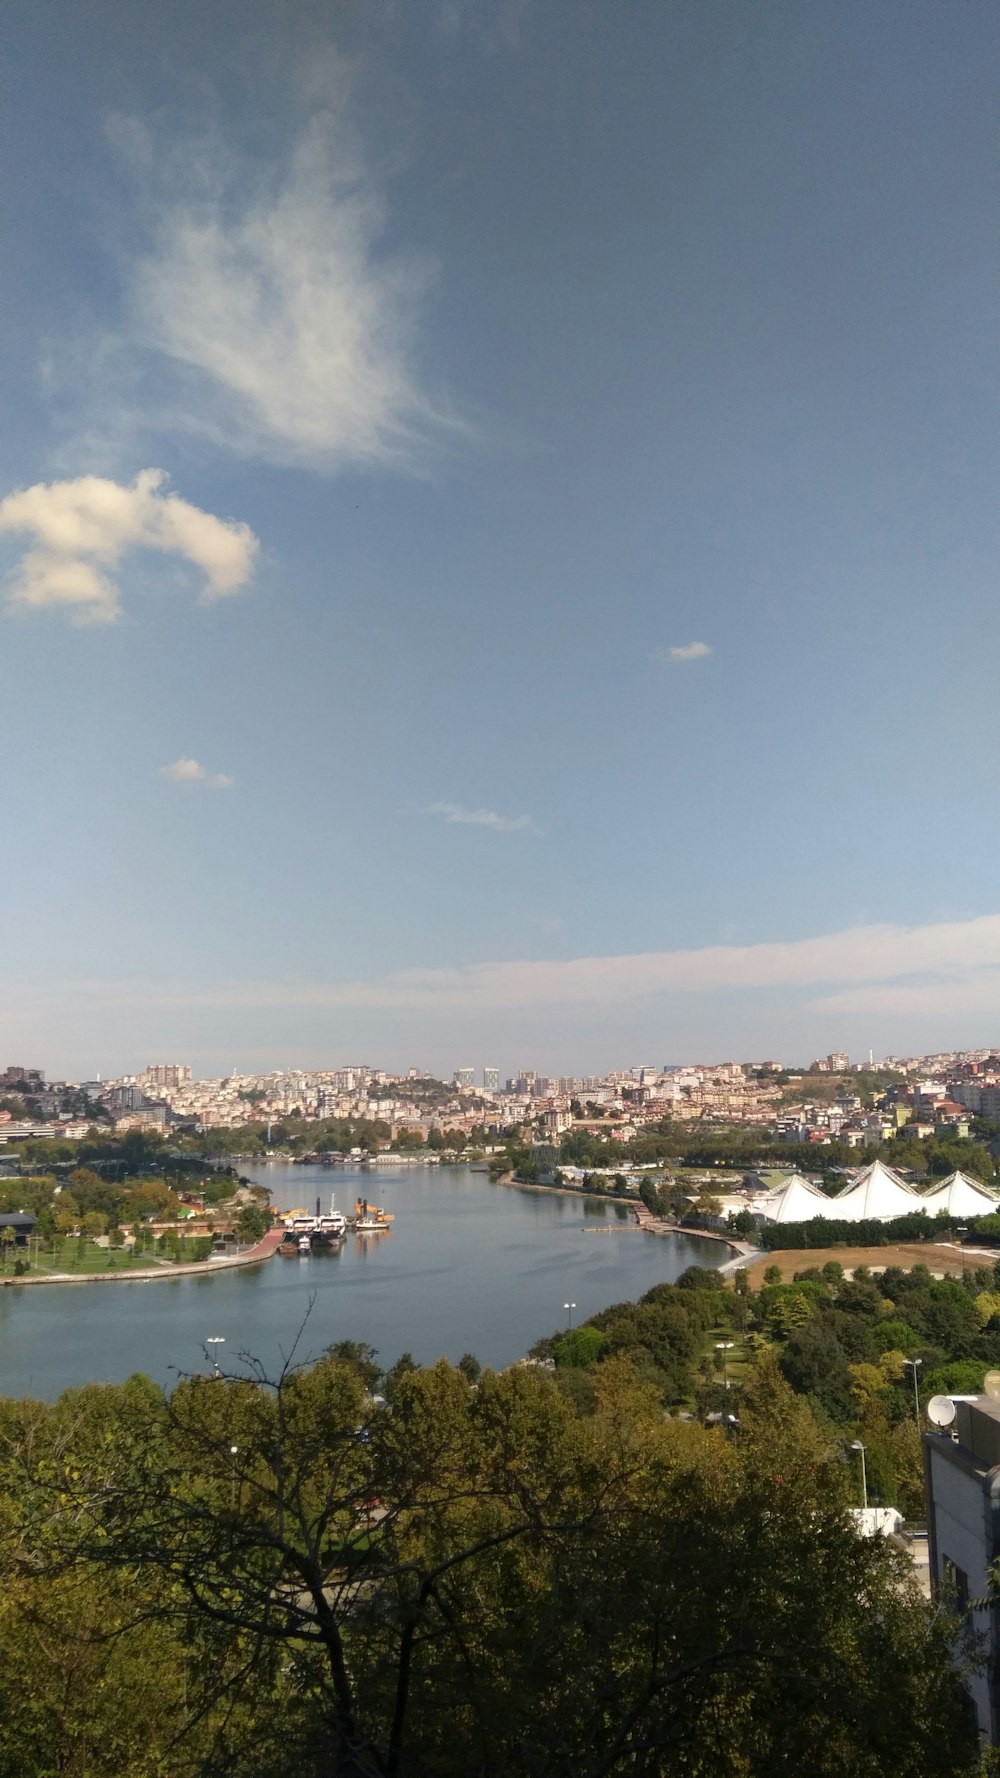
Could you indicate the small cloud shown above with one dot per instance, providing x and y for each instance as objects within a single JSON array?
[
  {"x": 683, "y": 651},
  {"x": 188, "y": 771},
  {"x": 82, "y": 528},
  {"x": 454, "y": 812}
]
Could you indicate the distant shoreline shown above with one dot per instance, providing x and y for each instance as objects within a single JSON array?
[{"x": 741, "y": 1252}]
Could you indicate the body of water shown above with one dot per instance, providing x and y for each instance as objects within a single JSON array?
[{"x": 467, "y": 1267}]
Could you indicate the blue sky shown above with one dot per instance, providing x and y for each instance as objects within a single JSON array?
[{"x": 494, "y": 356}]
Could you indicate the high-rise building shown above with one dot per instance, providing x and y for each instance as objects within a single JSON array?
[
  {"x": 491, "y": 1080},
  {"x": 838, "y": 1062},
  {"x": 31, "y": 1078},
  {"x": 129, "y": 1096},
  {"x": 167, "y": 1074},
  {"x": 465, "y": 1077}
]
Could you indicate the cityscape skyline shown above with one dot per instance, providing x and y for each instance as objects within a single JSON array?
[{"x": 856, "y": 1104}]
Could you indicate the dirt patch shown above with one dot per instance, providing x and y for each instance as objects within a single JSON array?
[{"x": 938, "y": 1256}]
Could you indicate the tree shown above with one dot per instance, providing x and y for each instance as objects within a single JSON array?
[
  {"x": 581, "y": 1346},
  {"x": 252, "y": 1223},
  {"x": 360, "y": 1357},
  {"x": 472, "y": 1582}
]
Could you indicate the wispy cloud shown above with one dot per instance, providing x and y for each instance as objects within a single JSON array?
[
  {"x": 950, "y": 967},
  {"x": 189, "y": 771},
  {"x": 82, "y": 528},
  {"x": 454, "y": 812},
  {"x": 268, "y": 296},
  {"x": 683, "y": 651}
]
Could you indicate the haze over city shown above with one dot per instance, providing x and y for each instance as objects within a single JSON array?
[{"x": 498, "y": 535}]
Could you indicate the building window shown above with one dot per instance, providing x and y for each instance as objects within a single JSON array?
[{"x": 955, "y": 1581}]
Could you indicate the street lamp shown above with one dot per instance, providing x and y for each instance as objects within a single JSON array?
[
  {"x": 914, "y": 1363},
  {"x": 233, "y": 1452},
  {"x": 569, "y": 1307},
  {"x": 959, "y": 1232},
  {"x": 215, "y": 1340},
  {"x": 725, "y": 1346},
  {"x": 856, "y": 1445}
]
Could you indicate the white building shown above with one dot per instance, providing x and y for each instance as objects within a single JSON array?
[
  {"x": 795, "y": 1201},
  {"x": 876, "y": 1195},
  {"x": 960, "y": 1196}
]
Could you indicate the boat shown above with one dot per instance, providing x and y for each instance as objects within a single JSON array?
[
  {"x": 369, "y": 1219},
  {"x": 305, "y": 1232},
  {"x": 331, "y": 1225}
]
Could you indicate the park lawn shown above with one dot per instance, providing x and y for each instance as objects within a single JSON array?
[
  {"x": 938, "y": 1256},
  {"x": 738, "y": 1360},
  {"x": 72, "y": 1255}
]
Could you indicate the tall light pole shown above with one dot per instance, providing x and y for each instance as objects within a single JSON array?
[
  {"x": 233, "y": 1452},
  {"x": 725, "y": 1346},
  {"x": 569, "y": 1307},
  {"x": 215, "y": 1340},
  {"x": 856, "y": 1445},
  {"x": 914, "y": 1364},
  {"x": 959, "y": 1232}
]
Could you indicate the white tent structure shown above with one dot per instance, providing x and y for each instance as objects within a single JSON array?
[
  {"x": 876, "y": 1195},
  {"x": 960, "y": 1196},
  {"x": 795, "y": 1201}
]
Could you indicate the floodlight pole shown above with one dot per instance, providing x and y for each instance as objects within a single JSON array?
[
  {"x": 914, "y": 1363},
  {"x": 856, "y": 1445},
  {"x": 725, "y": 1346}
]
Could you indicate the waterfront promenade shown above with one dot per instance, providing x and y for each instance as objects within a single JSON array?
[
  {"x": 744, "y": 1253},
  {"x": 263, "y": 1249}
]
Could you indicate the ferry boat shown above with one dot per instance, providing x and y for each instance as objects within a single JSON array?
[{"x": 305, "y": 1231}]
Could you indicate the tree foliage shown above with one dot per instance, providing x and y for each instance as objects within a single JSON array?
[{"x": 273, "y": 1577}]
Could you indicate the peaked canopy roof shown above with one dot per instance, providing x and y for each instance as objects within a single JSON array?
[
  {"x": 961, "y": 1196},
  {"x": 876, "y": 1195},
  {"x": 795, "y": 1201}
]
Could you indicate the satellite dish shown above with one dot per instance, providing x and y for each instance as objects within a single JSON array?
[
  {"x": 941, "y": 1410},
  {"x": 991, "y": 1386}
]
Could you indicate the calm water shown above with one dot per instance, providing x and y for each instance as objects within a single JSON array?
[{"x": 468, "y": 1267}]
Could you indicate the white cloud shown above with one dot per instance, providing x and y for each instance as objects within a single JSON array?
[
  {"x": 82, "y": 529},
  {"x": 188, "y": 771},
  {"x": 954, "y": 958},
  {"x": 684, "y": 651},
  {"x": 288, "y": 323},
  {"x": 454, "y": 812}
]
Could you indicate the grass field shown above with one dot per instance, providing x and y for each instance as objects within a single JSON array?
[
  {"x": 939, "y": 1257},
  {"x": 74, "y": 1255},
  {"x": 737, "y": 1358}
]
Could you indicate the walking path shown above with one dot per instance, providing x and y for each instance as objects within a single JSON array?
[
  {"x": 144, "y": 1274},
  {"x": 744, "y": 1253}
]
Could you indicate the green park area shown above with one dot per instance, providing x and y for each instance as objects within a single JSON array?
[
  {"x": 80, "y": 1254},
  {"x": 85, "y": 1223},
  {"x": 864, "y": 1352}
]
